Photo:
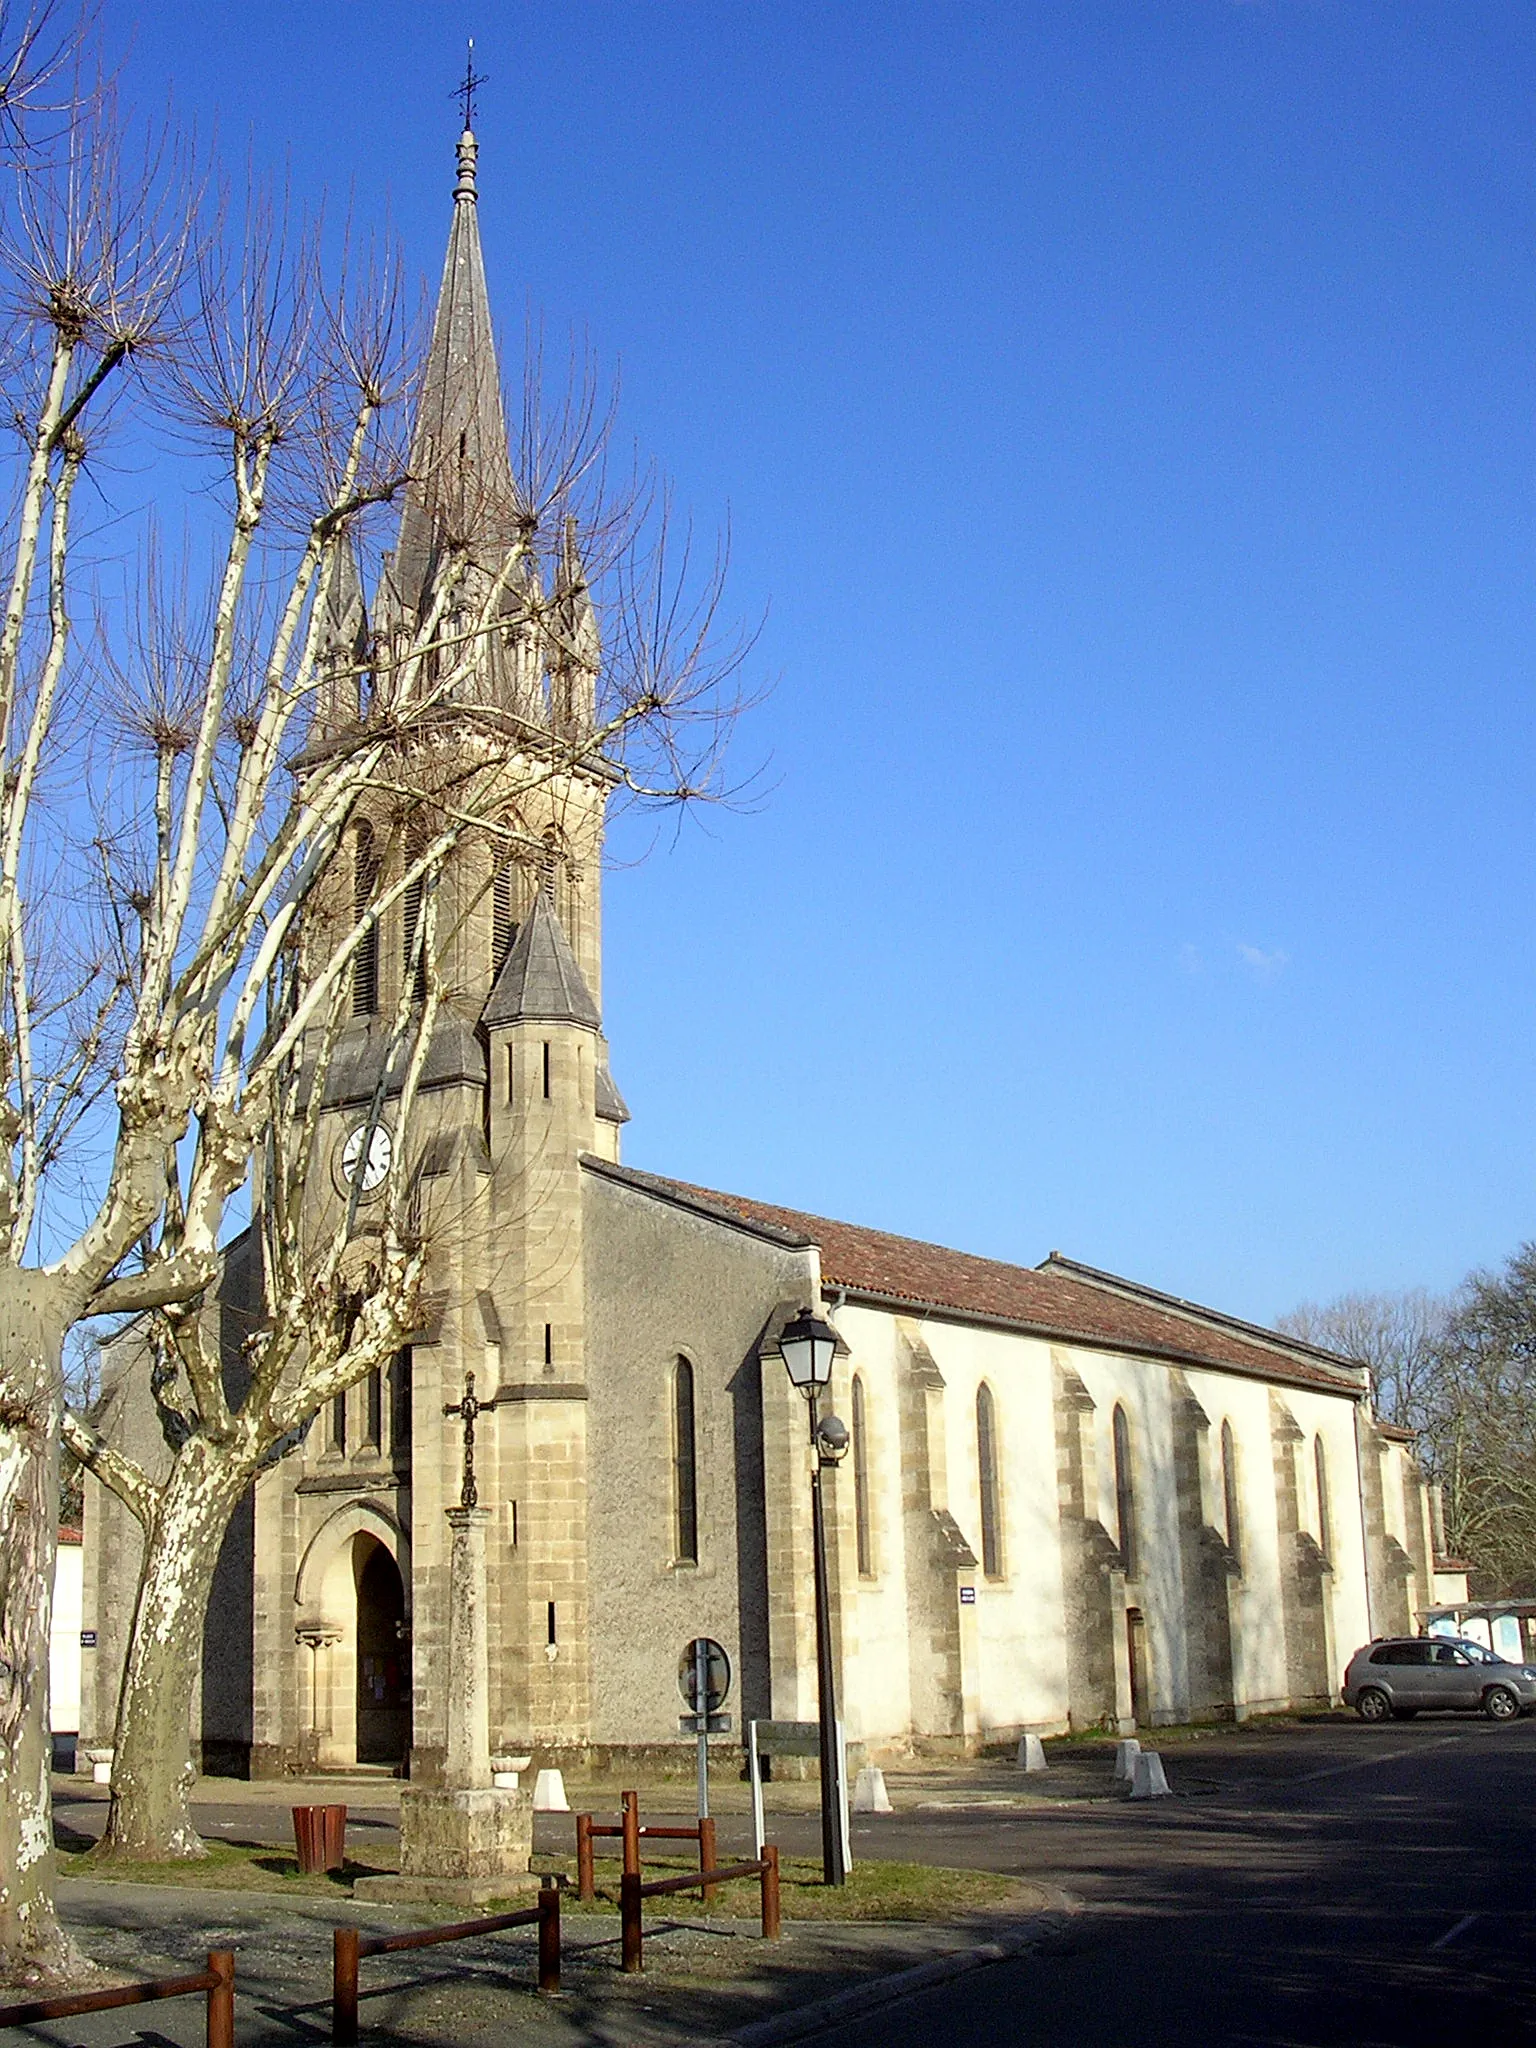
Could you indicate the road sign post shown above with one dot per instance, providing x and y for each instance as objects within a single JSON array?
[{"x": 704, "y": 1680}]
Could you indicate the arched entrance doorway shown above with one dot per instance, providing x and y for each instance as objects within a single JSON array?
[{"x": 383, "y": 1658}]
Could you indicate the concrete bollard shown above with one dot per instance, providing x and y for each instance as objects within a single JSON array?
[
  {"x": 1126, "y": 1754},
  {"x": 549, "y": 1793},
  {"x": 869, "y": 1793},
  {"x": 100, "y": 1761},
  {"x": 1148, "y": 1779},
  {"x": 506, "y": 1770},
  {"x": 1031, "y": 1754}
]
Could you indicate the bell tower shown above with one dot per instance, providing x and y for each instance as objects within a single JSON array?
[{"x": 516, "y": 1084}]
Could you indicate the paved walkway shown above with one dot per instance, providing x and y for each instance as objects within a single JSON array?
[{"x": 705, "y": 1979}]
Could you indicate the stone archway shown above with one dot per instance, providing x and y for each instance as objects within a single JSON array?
[
  {"x": 336, "y": 1616},
  {"x": 383, "y": 1681}
]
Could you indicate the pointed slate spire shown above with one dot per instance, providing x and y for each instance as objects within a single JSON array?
[
  {"x": 540, "y": 981},
  {"x": 462, "y": 475},
  {"x": 343, "y": 639},
  {"x": 578, "y": 647}
]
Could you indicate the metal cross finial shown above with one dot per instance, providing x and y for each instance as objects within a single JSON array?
[
  {"x": 468, "y": 1409},
  {"x": 465, "y": 93}
]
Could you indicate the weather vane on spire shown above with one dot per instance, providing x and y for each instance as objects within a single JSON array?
[{"x": 465, "y": 93}]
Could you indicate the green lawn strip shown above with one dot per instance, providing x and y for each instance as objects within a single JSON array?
[
  {"x": 228, "y": 1866},
  {"x": 874, "y": 1891}
]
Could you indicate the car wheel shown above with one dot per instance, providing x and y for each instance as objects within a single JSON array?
[
  {"x": 1404, "y": 1713},
  {"x": 1373, "y": 1705},
  {"x": 1500, "y": 1704}
]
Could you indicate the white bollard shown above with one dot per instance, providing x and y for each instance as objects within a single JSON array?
[
  {"x": 101, "y": 1765},
  {"x": 1126, "y": 1754},
  {"x": 869, "y": 1793},
  {"x": 506, "y": 1771},
  {"x": 1148, "y": 1779},
  {"x": 1031, "y": 1754},
  {"x": 549, "y": 1793}
]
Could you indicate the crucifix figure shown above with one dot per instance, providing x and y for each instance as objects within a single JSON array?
[
  {"x": 467, "y": 1410},
  {"x": 465, "y": 93}
]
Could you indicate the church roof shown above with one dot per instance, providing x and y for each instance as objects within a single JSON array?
[
  {"x": 1049, "y": 1301},
  {"x": 460, "y": 468},
  {"x": 540, "y": 981}
]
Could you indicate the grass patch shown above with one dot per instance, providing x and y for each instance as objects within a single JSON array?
[
  {"x": 874, "y": 1891},
  {"x": 228, "y": 1866}
]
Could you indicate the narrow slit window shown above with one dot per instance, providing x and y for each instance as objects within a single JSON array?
[
  {"x": 546, "y": 1070},
  {"x": 1125, "y": 1492},
  {"x": 986, "y": 1472},
  {"x": 861, "y": 1480},
  {"x": 1324, "y": 1509},
  {"x": 339, "y": 1423},
  {"x": 412, "y": 963},
  {"x": 684, "y": 1465},
  {"x": 365, "y": 961},
  {"x": 549, "y": 1344},
  {"x": 503, "y": 930},
  {"x": 552, "y": 1637},
  {"x": 400, "y": 1407},
  {"x": 373, "y": 1430},
  {"x": 1229, "y": 1497}
]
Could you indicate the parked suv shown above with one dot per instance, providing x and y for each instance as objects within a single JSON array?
[{"x": 1406, "y": 1675}]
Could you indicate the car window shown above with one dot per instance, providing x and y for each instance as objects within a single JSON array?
[
  {"x": 1402, "y": 1653},
  {"x": 1476, "y": 1654},
  {"x": 1446, "y": 1653}
]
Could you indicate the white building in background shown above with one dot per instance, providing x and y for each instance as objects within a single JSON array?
[{"x": 64, "y": 1651}]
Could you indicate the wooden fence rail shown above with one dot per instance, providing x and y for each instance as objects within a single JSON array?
[
  {"x": 218, "y": 1981},
  {"x": 633, "y": 1890},
  {"x": 632, "y": 1833},
  {"x": 350, "y": 1944}
]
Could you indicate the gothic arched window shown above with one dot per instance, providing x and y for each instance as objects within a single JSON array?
[
  {"x": 365, "y": 961},
  {"x": 1125, "y": 1496},
  {"x": 685, "y": 1471},
  {"x": 1229, "y": 1500},
  {"x": 986, "y": 1472},
  {"x": 413, "y": 963},
  {"x": 1324, "y": 1511},
  {"x": 861, "y": 1480},
  {"x": 503, "y": 930}
]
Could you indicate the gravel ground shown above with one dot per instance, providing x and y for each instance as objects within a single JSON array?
[{"x": 704, "y": 1978}]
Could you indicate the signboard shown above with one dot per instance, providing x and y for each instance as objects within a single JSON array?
[
  {"x": 715, "y": 1724},
  {"x": 87, "y": 1639},
  {"x": 967, "y": 1596},
  {"x": 706, "y": 1654}
]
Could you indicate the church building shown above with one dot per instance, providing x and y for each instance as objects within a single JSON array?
[{"x": 1069, "y": 1501}]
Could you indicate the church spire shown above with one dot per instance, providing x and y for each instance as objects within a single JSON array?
[{"x": 462, "y": 487}]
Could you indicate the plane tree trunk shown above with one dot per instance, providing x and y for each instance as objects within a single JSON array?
[
  {"x": 153, "y": 1768},
  {"x": 34, "y": 1949}
]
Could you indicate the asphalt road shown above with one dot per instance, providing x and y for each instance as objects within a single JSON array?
[
  {"x": 1331, "y": 1884},
  {"x": 1340, "y": 1885}
]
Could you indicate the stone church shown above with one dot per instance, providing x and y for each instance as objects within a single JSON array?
[{"x": 1069, "y": 1501}]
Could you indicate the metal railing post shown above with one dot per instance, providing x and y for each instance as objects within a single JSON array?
[
  {"x": 631, "y": 1834},
  {"x": 586, "y": 1876},
  {"x": 629, "y": 1920},
  {"x": 344, "y": 1956},
  {"x": 549, "y": 1939},
  {"x": 221, "y": 1999},
  {"x": 707, "y": 1855},
  {"x": 770, "y": 1891}
]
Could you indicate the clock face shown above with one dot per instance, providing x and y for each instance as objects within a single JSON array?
[{"x": 364, "y": 1159}]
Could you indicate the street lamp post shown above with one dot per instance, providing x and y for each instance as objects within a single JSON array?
[{"x": 808, "y": 1346}]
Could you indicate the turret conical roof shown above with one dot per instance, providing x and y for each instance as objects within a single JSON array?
[{"x": 540, "y": 981}]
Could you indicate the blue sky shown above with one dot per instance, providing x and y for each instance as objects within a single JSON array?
[{"x": 1124, "y": 414}]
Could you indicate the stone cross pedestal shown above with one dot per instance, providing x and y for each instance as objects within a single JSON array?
[{"x": 467, "y": 1840}]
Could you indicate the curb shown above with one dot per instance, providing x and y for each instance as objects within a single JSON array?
[{"x": 807, "y": 2020}]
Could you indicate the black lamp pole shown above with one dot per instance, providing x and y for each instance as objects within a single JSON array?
[{"x": 833, "y": 1869}]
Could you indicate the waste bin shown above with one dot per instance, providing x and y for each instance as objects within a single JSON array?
[{"x": 320, "y": 1836}]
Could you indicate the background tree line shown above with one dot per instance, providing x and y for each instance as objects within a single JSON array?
[{"x": 1459, "y": 1370}]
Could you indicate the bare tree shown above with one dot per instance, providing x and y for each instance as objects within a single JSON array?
[
  {"x": 1400, "y": 1337},
  {"x": 196, "y": 969}
]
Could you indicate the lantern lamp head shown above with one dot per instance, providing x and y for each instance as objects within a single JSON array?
[{"x": 808, "y": 1346}]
